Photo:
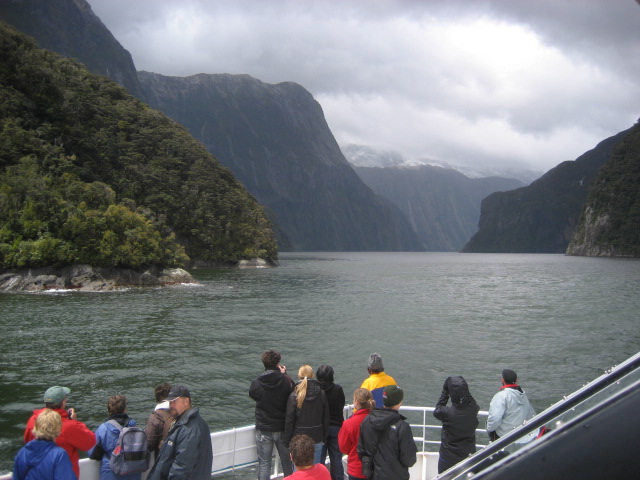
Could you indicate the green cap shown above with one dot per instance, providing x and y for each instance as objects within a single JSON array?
[{"x": 56, "y": 394}]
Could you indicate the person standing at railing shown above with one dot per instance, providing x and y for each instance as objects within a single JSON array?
[
  {"x": 459, "y": 422},
  {"x": 307, "y": 411},
  {"x": 186, "y": 454},
  {"x": 335, "y": 398},
  {"x": 377, "y": 379},
  {"x": 271, "y": 390},
  {"x": 349, "y": 434},
  {"x": 160, "y": 420},
  {"x": 509, "y": 408},
  {"x": 75, "y": 435},
  {"x": 386, "y": 446},
  {"x": 41, "y": 458}
]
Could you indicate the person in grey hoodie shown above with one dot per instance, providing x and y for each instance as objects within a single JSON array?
[{"x": 509, "y": 408}]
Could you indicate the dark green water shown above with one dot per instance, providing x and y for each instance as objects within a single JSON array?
[{"x": 558, "y": 321}]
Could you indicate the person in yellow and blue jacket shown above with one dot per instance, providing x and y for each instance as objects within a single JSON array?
[{"x": 377, "y": 378}]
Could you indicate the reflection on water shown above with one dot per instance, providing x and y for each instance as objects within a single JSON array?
[{"x": 558, "y": 321}]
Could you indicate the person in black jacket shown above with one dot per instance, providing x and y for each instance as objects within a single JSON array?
[
  {"x": 336, "y": 400},
  {"x": 186, "y": 454},
  {"x": 459, "y": 422},
  {"x": 307, "y": 411},
  {"x": 271, "y": 390},
  {"x": 386, "y": 440}
]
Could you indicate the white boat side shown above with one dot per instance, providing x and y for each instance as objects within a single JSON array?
[{"x": 235, "y": 449}]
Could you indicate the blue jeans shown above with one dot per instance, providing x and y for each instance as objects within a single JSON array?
[
  {"x": 264, "y": 446},
  {"x": 335, "y": 456}
]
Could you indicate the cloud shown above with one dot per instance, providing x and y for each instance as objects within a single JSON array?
[{"x": 489, "y": 82}]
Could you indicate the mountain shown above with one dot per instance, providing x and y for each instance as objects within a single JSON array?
[
  {"x": 89, "y": 174},
  {"x": 442, "y": 205},
  {"x": 542, "y": 217},
  {"x": 70, "y": 27},
  {"x": 610, "y": 220},
  {"x": 367, "y": 156},
  {"x": 290, "y": 163},
  {"x": 277, "y": 142}
]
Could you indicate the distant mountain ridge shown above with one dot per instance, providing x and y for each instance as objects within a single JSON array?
[
  {"x": 442, "y": 205},
  {"x": 276, "y": 141},
  {"x": 542, "y": 217}
]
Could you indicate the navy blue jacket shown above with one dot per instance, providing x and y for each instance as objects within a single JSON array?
[{"x": 186, "y": 454}]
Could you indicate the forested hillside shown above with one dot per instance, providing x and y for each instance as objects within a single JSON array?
[
  {"x": 89, "y": 174},
  {"x": 610, "y": 221}
]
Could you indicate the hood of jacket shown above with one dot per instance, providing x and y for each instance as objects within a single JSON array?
[
  {"x": 313, "y": 390},
  {"x": 272, "y": 379},
  {"x": 459, "y": 391},
  {"x": 383, "y": 418},
  {"x": 37, "y": 449}
]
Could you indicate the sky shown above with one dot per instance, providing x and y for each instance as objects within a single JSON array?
[{"x": 483, "y": 85}]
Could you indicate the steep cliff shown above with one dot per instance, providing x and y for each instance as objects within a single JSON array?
[
  {"x": 442, "y": 205},
  {"x": 610, "y": 221},
  {"x": 542, "y": 217},
  {"x": 70, "y": 28},
  {"x": 276, "y": 141}
]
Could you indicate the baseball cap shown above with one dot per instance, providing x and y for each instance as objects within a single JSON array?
[
  {"x": 56, "y": 394},
  {"x": 176, "y": 392}
]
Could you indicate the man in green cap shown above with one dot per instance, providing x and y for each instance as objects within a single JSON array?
[{"x": 75, "y": 435}]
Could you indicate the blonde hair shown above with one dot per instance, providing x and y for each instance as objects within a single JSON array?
[
  {"x": 305, "y": 372},
  {"x": 362, "y": 398},
  {"x": 48, "y": 425}
]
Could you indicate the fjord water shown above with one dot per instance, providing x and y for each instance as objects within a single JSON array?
[{"x": 558, "y": 321}]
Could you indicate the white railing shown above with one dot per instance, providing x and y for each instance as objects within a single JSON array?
[{"x": 235, "y": 449}]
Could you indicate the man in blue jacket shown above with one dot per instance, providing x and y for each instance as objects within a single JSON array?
[{"x": 186, "y": 454}]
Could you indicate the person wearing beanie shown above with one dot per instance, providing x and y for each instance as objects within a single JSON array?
[
  {"x": 459, "y": 422},
  {"x": 74, "y": 435},
  {"x": 377, "y": 379},
  {"x": 386, "y": 447},
  {"x": 509, "y": 408}
]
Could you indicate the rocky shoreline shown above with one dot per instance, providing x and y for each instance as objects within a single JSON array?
[{"x": 88, "y": 278}]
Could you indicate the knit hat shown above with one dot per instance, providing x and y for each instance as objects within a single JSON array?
[
  {"x": 375, "y": 362},
  {"x": 509, "y": 376},
  {"x": 392, "y": 395},
  {"x": 56, "y": 394}
]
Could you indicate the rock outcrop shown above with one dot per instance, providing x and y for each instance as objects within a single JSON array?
[{"x": 87, "y": 278}]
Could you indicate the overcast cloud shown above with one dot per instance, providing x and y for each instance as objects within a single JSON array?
[{"x": 509, "y": 84}]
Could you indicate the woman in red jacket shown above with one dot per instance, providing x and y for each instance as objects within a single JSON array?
[{"x": 348, "y": 436}]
